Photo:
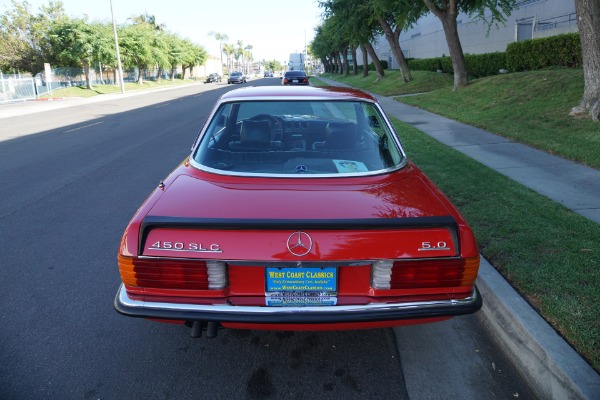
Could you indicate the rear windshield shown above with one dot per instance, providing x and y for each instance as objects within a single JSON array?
[
  {"x": 298, "y": 138},
  {"x": 294, "y": 73}
]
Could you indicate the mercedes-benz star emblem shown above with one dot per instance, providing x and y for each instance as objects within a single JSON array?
[{"x": 299, "y": 243}]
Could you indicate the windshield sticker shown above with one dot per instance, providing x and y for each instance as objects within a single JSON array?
[{"x": 347, "y": 166}]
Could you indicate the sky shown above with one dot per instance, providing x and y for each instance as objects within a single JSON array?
[{"x": 275, "y": 28}]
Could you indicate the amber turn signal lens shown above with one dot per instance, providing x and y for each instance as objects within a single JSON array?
[{"x": 173, "y": 273}]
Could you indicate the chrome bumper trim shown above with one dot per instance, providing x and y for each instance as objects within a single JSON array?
[{"x": 294, "y": 315}]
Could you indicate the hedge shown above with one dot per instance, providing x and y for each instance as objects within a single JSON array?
[
  {"x": 384, "y": 64},
  {"x": 560, "y": 50},
  {"x": 478, "y": 65}
]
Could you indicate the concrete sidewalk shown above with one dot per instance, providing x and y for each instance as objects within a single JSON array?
[{"x": 549, "y": 364}]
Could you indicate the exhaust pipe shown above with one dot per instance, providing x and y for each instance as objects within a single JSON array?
[
  {"x": 197, "y": 329},
  {"x": 199, "y": 326},
  {"x": 211, "y": 329}
]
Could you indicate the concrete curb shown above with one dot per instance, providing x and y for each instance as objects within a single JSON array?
[{"x": 553, "y": 369}]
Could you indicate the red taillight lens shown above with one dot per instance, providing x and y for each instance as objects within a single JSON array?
[
  {"x": 285, "y": 80},
  {"x": 430, "y": 273},
  {"x": 172, "y": 273}
]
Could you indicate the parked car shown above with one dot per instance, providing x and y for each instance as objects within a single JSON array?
[
  {"x": 294, "y": 78},
  {"x": 268, "y": 74},
  {"x": 214, "y": 77},
  {"x": 236, "y": 77},
  {"x": 297, "y": 209}
]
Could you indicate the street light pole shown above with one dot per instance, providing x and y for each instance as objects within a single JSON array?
[
  {"x": 305, "y": 53},
  {"x": 120, "y": 70}
]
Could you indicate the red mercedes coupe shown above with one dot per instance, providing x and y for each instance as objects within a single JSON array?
[{"x": 297, "y": 209}]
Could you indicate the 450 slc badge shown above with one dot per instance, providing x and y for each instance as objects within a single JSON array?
[{"x": 181, "y": 246}]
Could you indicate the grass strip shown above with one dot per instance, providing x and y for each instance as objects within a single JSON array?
[
  {"x": 79, "y": 91},
  {"x": 547, "y": 252},
  {"x": 393, "y": 85}
]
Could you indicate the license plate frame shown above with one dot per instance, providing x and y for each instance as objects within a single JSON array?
[{"x": 301, "y": 287}]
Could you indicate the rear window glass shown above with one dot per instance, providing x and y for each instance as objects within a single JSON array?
[
  {"x": 298, "y": 138},
  {"x": 290, "y": 74}
]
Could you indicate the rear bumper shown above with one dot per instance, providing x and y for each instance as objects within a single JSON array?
[{"x": 297, "y": 315}]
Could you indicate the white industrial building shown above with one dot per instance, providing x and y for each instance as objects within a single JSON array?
[{"x": 530, "y": 19}]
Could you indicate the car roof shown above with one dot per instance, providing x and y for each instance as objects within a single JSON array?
[{"x": 295, "y": 93}]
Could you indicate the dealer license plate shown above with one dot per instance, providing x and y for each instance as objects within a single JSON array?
[{"x": 301, "y": 286}]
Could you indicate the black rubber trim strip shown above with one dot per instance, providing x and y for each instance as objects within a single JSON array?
[
  {"x": 151, "y": 222},
  {"x": 305, "y": 318}
]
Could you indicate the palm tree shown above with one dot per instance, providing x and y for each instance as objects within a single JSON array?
[
  {"x": 248, "y": 56},
  {"x": 239, "y": 52},
  {"x": 229, "y": 50},
  {"x": 221, "y": 37},
  {"x": 150, "y": 20}
]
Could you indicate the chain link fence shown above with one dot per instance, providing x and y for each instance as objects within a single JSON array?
[
  {"x": 16, "y": 88},
  {"x": 22, "y": 87}
]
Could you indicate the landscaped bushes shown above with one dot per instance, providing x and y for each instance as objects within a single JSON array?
[
  {"x": 384, "y": 64},
  {"x": 443, "y": 64},
  {"x": 478, "y": 65},
  {"x": 560, "y": 50}
]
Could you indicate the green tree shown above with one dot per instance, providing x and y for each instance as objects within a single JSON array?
[
  {"x": 160, "y": 52},
  {"x": 24, "y": 40},
  {"x": 75, "y": 43},
  {"x": 272, "y": 65},
  {"x": 193, "y": 55},
  {"x": 135, "y": 42},
  {"x": 149, "y": 20},
  {"x": 104, "y": 47},
  {"x": 447, "y": 12},
  {"x": 175, "y": 52},
  {"x": 146, "y": 45},
  {"x": 394, "y": 16},
  {"x": 359, "y": 26}
]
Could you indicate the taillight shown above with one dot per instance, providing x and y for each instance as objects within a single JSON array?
[
  {"x": 173, "y": 273},
  {"x": 428, "y": 273},
  {"x": 285, "y": 80}
]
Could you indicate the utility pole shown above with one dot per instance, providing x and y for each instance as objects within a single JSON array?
[{"x": 120, "y": 70}]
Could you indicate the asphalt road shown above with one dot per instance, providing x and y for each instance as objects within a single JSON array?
[{"x": 70, "y": 180}]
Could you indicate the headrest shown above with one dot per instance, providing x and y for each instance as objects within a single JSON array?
[
  {"x": 255, "y": 133},
  {"x": 341, "y": 135}
]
